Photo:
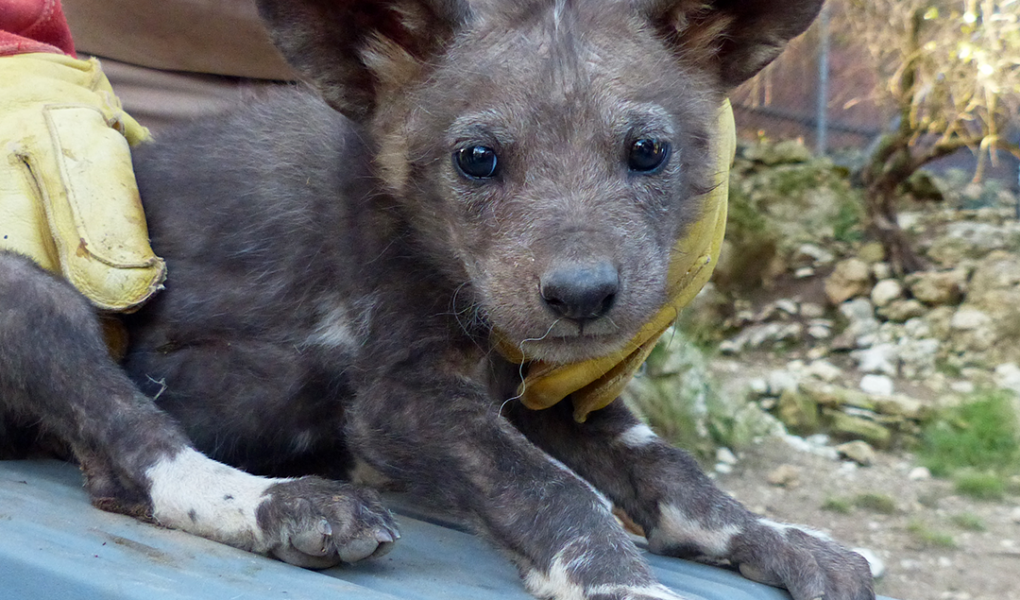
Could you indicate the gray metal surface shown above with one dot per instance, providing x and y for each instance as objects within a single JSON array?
[{"x": 55, "y": 545}]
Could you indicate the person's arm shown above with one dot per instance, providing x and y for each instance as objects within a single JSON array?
[{"x": 33, "y": 26}]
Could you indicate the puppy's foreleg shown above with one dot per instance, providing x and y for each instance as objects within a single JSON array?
[
  {"x": 683, "y": 513},
  {"x": 55, "y": 371},
  {"x": 446, "y": 439}
]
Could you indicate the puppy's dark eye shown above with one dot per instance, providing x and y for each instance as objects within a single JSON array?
[
  {"x": 647, "y": 154},
  {"x": 476, "y": 162}
]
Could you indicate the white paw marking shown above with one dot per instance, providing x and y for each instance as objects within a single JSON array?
[
  {"x": 677, "y": 528},
  {"x": 556, "y": 583},
  {"x": 784, "y": 527},
  {"x": 194, "y": 493},
  {"x": 637, "y": 436}
]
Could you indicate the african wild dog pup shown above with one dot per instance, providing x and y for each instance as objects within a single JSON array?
[{"x": 335, "y": 281}]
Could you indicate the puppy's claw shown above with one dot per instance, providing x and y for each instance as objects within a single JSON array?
[
  {"x": 312, "y": 542},
  {"x": 384, "y": 537}
]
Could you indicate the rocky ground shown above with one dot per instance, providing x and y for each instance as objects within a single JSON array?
[
  {"x": 823, "y": 367},
  {"x": 934, "y": 544}
]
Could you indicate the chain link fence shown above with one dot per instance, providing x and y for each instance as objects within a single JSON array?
[{"x": 823, "y": 91}]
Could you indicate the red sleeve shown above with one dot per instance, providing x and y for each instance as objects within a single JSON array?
[{"x": 33, "y": 26}]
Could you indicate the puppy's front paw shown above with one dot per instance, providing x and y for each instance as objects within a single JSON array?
[
  {"x": 316, "y": 523},
  {"x": 806, "y": 563}
]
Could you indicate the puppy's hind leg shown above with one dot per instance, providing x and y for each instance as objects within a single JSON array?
[{"x": 55, "y": 371}]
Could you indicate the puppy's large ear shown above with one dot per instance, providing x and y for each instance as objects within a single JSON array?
[
  {"x": 735, "y": 38},
  {"x": 353, "y": 50}
]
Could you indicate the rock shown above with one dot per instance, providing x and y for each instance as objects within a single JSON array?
[
  {"x": 723, "y": 468},
  {"x": 725, "y": 456},
  {"x": 963, "y": 387},
  {"x": 787, "y": 305},
  {"x": 969, "y": 319},
  {"x": 804, "y": 272},
  {"x": 885, "y": 292},
  {"x": 810, "y": 254},
  {"x": 802, "y": 445},
  {"x": 857, "y": 428},
  {"x": 861, "y": 323},
  {"x": 1015, "y": 515},
  {"x": 824, "y": 370},
  {"x": 981, "y": 238},
  {"x": 798, "y": 412},
  {"x": 938, "y": 320},
  {"x": 902, "y": 310},
  {"x": 781, "y": 381},
  {"x": 761, "y": 335},
  {"x": 812, "y": 310},
  {"x": 749, "y": 425},
  {"x": 818, "y": 440},
  {"x": 916, "y": 328},
  {"x": 850, "y": 278},
  {"x": 758, "y": 386},
  {"x": 833, "y": 396},
  {"x": 816, "y": 353},
  {"x": 1007, "y": 377},
  {"x": 919, "y": 474},
  {"x": 877, "y": 384},
  {"x": 784, "y": 476},
  {"x": 898, "y": 405},
  {"x": 881, "y": 358},
  {"x": 881, "y": 271},
  {"x": 918, "y": 357},
  {"x": 858, "y": 451},
  {"x": 938, "y": 288},
  {"x": 767, "y": 313},
  {"x": 875, "y": 563},
  {"x": 796, "y": 367},
  {"x": 871, "y": 253},
  {"x": 819, "y": 332}
]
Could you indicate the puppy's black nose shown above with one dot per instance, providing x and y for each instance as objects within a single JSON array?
[{"x": 580, "y": 291}]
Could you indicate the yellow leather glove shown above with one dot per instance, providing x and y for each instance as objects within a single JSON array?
[
  {"x": 595, "y": 383},
  {"x": 68, "y": 197}
]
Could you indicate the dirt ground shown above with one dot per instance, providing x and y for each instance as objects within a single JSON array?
[{"x": 912, "y": 537}]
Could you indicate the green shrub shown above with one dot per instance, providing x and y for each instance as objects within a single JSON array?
[
  {"x": 878, "y": 503},
  {"x": 837, "y": 505},
  {"x": 969, "y": 521},
  {"x": 981, "y": 434},
  {"x": 847, "y": 226},
  {"x": 930, "y": 538},
  {"x": 982, "y": 486}
]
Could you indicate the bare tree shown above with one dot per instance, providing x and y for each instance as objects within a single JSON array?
[{"x": 952, "y": 73}]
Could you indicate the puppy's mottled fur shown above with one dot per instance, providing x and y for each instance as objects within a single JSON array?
[{"x": 337, "y": 270}]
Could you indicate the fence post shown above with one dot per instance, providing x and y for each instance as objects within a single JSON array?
[{"x": 822, "y": 106}]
